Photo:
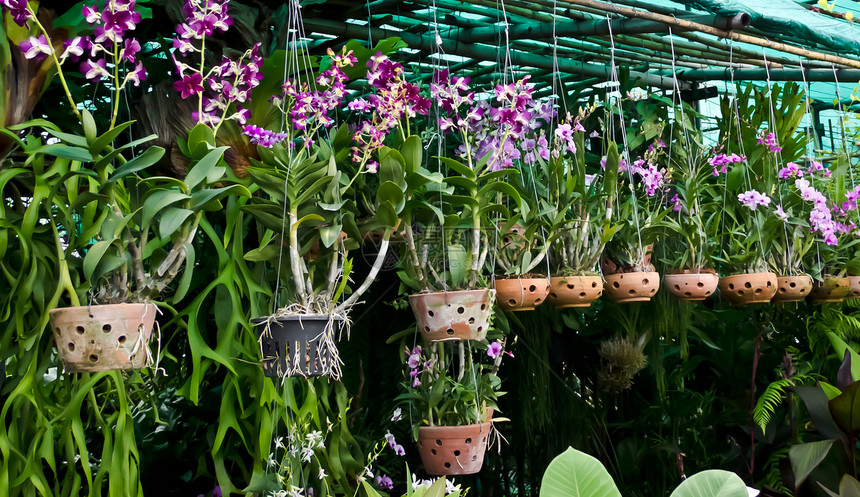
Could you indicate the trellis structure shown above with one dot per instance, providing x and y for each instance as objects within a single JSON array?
[{"x": 710, "y": 42}]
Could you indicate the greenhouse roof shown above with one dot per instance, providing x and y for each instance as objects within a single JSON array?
[{"x": 704, "y": 40}]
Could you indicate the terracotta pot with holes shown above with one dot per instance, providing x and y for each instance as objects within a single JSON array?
[
  {"x": 103, "y": 337},
  {"x": 453, "y": 450},
  {"x": 691, "y": 285},
  {"x": 574, "y": 291},
  {"x": 833, "y": 289},
  {"x": 632, "y": 287},
  {"x": 792, "y": 288},
  {"x": 455, "y": 315},
  {"x": 521, "y": 294},
  {"x": 854, "y": 284},
  {"x": 750, "y": 288}
]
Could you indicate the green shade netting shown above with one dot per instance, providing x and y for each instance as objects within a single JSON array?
[{"x": 786, "y": 19}]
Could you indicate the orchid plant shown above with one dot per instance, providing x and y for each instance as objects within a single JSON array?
[
  {"x": 134, "y": 236},
  {"x": 831, "y": 208},
  {"x": 579, "y": 204},
  {"x": 307, "y": 214},
  {"x": 451, "y": 251},
  {"x": 698, "y": 174},
  {"x": 642, "y": 194},
  {"x": 449, "y": 385}
]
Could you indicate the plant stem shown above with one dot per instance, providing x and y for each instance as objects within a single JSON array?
[
  {"x": 371, "y": 276},
  {"x": 116, "y": 85},
  {"x": 58, "y": 64},
  {"x": 294, "y": 258}
]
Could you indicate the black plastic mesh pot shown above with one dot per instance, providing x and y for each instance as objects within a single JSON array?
[{"x": 297, "y": 346}]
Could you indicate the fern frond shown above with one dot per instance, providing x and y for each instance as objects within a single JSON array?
[
  {"x": 773, "y": 474},
  {"x": 769, "y": 400}
]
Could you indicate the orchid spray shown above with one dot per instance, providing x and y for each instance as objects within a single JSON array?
[
  {"x": 486, "y": 136},
  {"x": 223, "y": 88},
  {"x": 103, "y": 56}
]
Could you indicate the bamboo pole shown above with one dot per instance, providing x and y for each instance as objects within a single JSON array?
[{"x": 693, "y": 26}]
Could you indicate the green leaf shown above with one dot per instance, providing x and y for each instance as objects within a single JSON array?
[
  {"x": 846, "y": 409},
  {"x": 90, "y": 131},
  {"x": 577, "y": 474},
  {"x": 185, "y": 282},
  {"x": 157, "y": 201},
  {"x": 200, "y": 134},
  {"x": 841, "y": 347},
  {"x": 204, "y": 167},
  {"x": 459, "y": 167},
  {"x": 329, "y": 235},
  {"x": 411, "y": 150},
  {"x": 93, "y": 257},
  {"x": 171, "y": 219},
  {"x": 200, "y": 199},
  {"x": 266, "y": 253},
  {"x": 819, "y": 410},
  {"x": 712, "y": 483},
  {"x": 64, "y": 151},
  {"x": 142, "y": 161},
  {"x": 849, "y": 487},
  {"x": 806, "y": 457},
  {"x": 107, "y": 138}
]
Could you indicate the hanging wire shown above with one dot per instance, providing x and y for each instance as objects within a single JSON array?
[
  {"x": 809, "y": 115},
  {"x": 778, "y": 154},
  {"x": 690, "y": 167},
  {"x": 743, "y": 154},
  {"x": 626, "y": 151}
]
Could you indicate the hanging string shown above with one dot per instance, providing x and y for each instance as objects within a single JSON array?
[
  {"x": 806, "y": 90},
  {"x": 626, "y": 152},
  {"x": 690, "y": 167},
  {"x": 842, "y": 124},
  {"x": 742, "y": 149},
  {"x": 771, "y": 96}
]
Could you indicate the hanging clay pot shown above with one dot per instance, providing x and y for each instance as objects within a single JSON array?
[
  {"x": 750, "y": 288},
  {"x": 833, "y": 289},
  {"x": 521, "y": 294},
  {"x": 456, "y": 315},
  {"x": 574, "y": 291},
  {"x": 792, "y": 288},
  {"x": 632, "y": 287},
  {"x": 103, "y": 337},
  {"x": 453, "y": 450},
  {"x": 689, "y": 285},
  {"x": 289, "y": 339},
  {"x": 854, "y": 283}
]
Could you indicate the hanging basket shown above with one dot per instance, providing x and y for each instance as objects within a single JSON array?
[
  {"x": 453, "y": 450},
  {"x": 854, "y": 284},
  {"x": 300, "y": 345},
  {"x": 575, "y": 291},
  {"x": 832, "y": 289},
  {"x": 103, "y": 337},
  {"x": 689, "y": 285},
  {"x": 457, "y": 315},
  {"x": 792, "y": 288},
  {"x": 750, "y": 288},
  {"x": 632, "y": 287},
  {"x": 521, "y": 294}
]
